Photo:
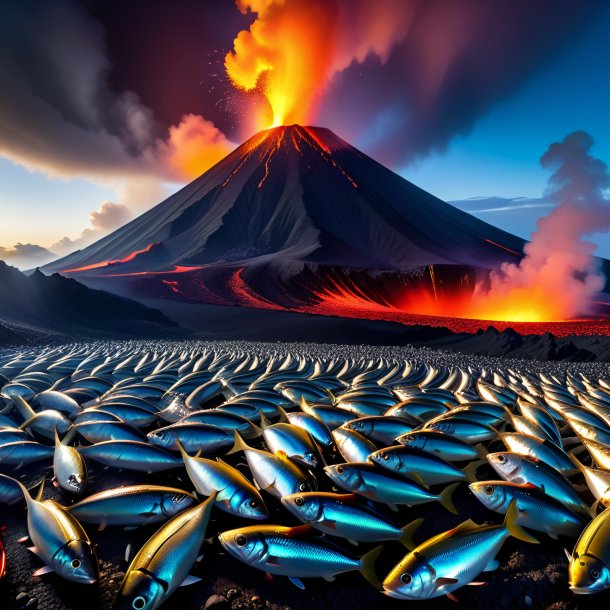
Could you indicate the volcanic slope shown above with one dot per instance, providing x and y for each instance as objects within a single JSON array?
[{"x": 295, "y": 195}]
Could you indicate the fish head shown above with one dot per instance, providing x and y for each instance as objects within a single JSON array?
[
  {"x": 491, "y": 494},
  {"x": 175, "y": 503},
  {"x": 362, "y": 426},
  {"x": 245, "y": 544},
  {"x": 505, "y": 463},
  {"x": 76, "y": 561},
  {"x": 307, "y": 507},
  {"x": 588, "y": 574},
  {"x": 345, "y": 475},
  {"x": 77, "y": 482},
  {"x": 412, "y": 578},
  {"x": 160, "y": 437},
  {"x": 139, "y": 591},
  {"x": 386, "y": 458},
  {"x": 409, "y": 439},
  {"x": 252, "y": 506}
]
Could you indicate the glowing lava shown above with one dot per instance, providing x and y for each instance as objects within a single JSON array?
[{"x": 125, "y": 259}]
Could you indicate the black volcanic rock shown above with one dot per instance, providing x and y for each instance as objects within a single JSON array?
[{"x": 54, "y": 304}]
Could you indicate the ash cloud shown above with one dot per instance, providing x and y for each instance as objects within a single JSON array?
[{"x": 559, "y": 265}]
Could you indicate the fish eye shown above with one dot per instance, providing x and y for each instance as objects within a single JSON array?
[
  {"x": 253, "y": 503},
  {"x": 501, "y": 459},
  {"x": 241, "y": 540},
  {"x": 138, "y": 603},
  {"x": 489, "y": 489},
  {"x": 594, "y": 574},
  {"x": 75, "y": 564},
  {"x": 340, "y": 469},
  {"x": 406, "y": 578},
  {"x": 299, "y": 501},
  {"x": 303, "y": 487}
]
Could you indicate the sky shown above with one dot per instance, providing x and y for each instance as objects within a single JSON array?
[{"x": 107, "y": 108}]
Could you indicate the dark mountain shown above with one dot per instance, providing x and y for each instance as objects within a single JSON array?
[
  {"x": 293, "y": 215},
  {"x": 35, "y": 305}
]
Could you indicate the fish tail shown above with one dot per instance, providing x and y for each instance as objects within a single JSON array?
[
  {"x": 576, "y": 462},
  {"x": 470, "y": 471},
  {"x": 367, "y": 566},
  {"x": 446, "y": 497},
  {"x": 511, "y": 523},
  {"x": 283, "y": 415},
  {"x": 24, "y": 408},
  {"x": 238, "y": 445},
  {"x": 182, "y": 450},
  {"x": 406, "y": 533}
]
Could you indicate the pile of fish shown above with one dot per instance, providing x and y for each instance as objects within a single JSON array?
[{"x": 338, "y": 444}]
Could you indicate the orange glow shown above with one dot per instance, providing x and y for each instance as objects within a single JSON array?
[
  {"x": 285, "y": 54},
  {"x": 125, "y": 259}
]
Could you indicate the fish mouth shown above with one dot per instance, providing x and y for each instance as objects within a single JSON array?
[
  {"x": 396, "y": 594},
  {"x": 581, "y": 590}
]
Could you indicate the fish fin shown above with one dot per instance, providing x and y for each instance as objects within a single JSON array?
[
  {"x": 441, "y": 581},
  {"x": 482, "y": 450},
  {"x": 182, "y": 450},
  {"x": 392, "y": 507},
  {"x": 24, "y": 539},
  {"x": 298, "y": 530},
  {"x": 333, "y": 399},
  {"x": 102, "y": 526},
  {"x": 42, "y": 571},
  {"x": 492, "y": 564},
  {"x": 57, "y": 439},
  {"x": 329, "y": 578},
  {"x": 33, "y": 549},
  {"x": 367, "y": 566},
  {"x": 552, "y": 535},
  {"x": 127, "y": 552},
  {"x": 330, "y": 524},
  {"x": 446, "y": 499},
  {"x": 129, "y": 528},
  {"x": 351, "y": 499},
  {"x": 476, "y": 583},
  {"x": 352, "y": 541},
  {"x": 238, "y": 445},
  {"x": 568, "y": 554},
  {"x": 296, "y": 582},
  {"x": 452, "y": 597},
  {"x": 38, "y": 496},
  {"x": 272, "y": 560},
  {"x": 470, "y": 471},
  {"x": 268, "y": 577},
  {"x": 466, "y": 526},
  {"x": 406, "y": 533},
  {"x": 417, "y": 478},
  {"x": 511, "y": 522},
  {"x": 265, "y": 423},
  {"x": 283, "y": 415},
  {"x": 199, "y": 558},
  {"x": 190, "y": 580}
]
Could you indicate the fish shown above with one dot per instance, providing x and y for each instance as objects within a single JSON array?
[
  {"x": 340, "y": 515},
  {"x": 443, "y": 445},
  {"x": 282, "y": 550},
  {"x": 545, "y": 451},
  {"x": 452, "y": 559},
  {"x": 380, "y": 485},
  {"x": 21, "y": 453},
  {"x": 522, "y": 469},
  {"x": 426, "y": 467},
  {"x": 60, "y": 541},
  {"x": 295, "y": 442},
  {"x": 131, "y": 455},
  {"x": 352, "y": 445},
  {"x": 165, "y": 560},
  {"x": 133, "y": 505},
  {"x": 537, "y": 510},
  {"x": 589, "y": 567},
  {"x": 274, "y": 473},
  {"x": 69, "y": 467},
  {"x": 382, "y": 429},
  {"x": 192, "y": 436},
  {"x": 234, "y": 493}
]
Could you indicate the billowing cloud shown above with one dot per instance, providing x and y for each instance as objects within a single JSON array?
[
  {"x": 110, "y": 216},
  {"x": 59, "y": 111}
]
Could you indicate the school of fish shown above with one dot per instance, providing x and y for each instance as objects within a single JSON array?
[{"x": 338, "y": 443}]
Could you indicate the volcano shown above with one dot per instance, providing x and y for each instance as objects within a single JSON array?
[{"x": 297, "y": 219}]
